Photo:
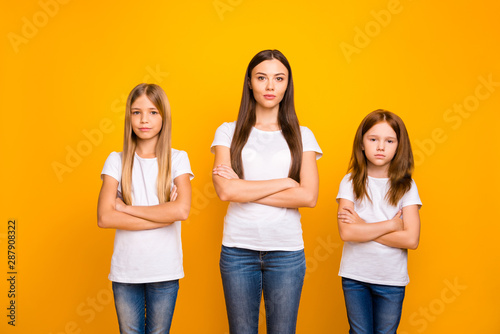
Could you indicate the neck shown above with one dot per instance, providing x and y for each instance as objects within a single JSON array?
[
  {"x": 380, "y": 172},
  {"x": 146, "y": 148},
  {"x": 267, "y": 118}
]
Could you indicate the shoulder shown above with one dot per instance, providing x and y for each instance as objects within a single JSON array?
[
  {"x": 227, "y": 127},
  {"x": 411, "y": 196},
  {"x": 346, "y": 179},
  {"x": 180, "y": 164},
  {"x": 305, "y": 131},
  {"x": 179, "y": 155},
  {"x": 345, "y": 189},
  {"x": 223, "y": 135},
  {"x": 309, "y": 142},
  {"x": 114, "y": 157}
]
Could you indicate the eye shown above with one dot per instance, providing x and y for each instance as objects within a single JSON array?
[
  {"x": 280, "y": 78},
  {"x": 135, "y": 112},
  {"x": 371, "y": 139},
  {"x": 154, "y": 112},
  {"x": 261, "y": 78}
]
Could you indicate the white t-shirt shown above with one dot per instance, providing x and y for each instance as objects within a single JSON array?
[
  {"x": 260, "y": 227},
  {"x": 372, "y": 262},
  {"x": 151, "y": 255}
]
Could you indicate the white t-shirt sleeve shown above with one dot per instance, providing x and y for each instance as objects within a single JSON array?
[
  {"x": 223, "y": 135},
  {"x": 411, "y": 197},
  {"x": 113, "y": 166},
  {"x": 309, "y": 142},
  {"x": 345, "y": 189},
  {"x": 181, "y": 165}
]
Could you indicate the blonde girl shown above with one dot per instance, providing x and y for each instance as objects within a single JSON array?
[
  {"x": 378, "y": 219},
  {"x": 145, "y": 194}
]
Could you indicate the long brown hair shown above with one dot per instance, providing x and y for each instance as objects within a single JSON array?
[
  {"x": 401, "y": 166},
  {"x": 163, "y": 147},
  {"x": 287, "y": 118}
]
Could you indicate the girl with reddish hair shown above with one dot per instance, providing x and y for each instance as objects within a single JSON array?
[{"x": 378, "y": 219}]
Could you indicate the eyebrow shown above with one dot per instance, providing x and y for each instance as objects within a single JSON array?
[
  {"x": 274, "y": 75},
  {"x": 136, "y": 108},
  {"x": 390, "y": 137}
]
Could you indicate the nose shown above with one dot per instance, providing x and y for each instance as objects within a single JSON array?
[
  {"x": 380, "y": 145},
  {"x": 270, "y": 85},
  {"x": 144, "y": 117}
]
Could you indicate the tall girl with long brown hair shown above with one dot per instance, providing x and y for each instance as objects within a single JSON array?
[
  {"x": 265, "y": 166},
  {"x": 146, "y": 192},
  {"x": 378, "y": 219}
]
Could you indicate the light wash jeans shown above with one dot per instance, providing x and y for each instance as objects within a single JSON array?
[
  {"x": 372, "y": 308},
  {"x": 246, "y": 274},
  {"x": 145, "y": 308}
]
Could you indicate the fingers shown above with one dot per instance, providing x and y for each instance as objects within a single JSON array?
[
  {"x": 173, "y": 193},
  {"x": 225, "y": 172},
  {"x": 399, "y": 214},
  {"x": 349, "y": 209},
  {"x": 345, "y": 217}
]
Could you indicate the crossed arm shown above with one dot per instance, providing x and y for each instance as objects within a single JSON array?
[
  {"x": 113, "y": 213},
  {"x": 395, "y": 232},
  {"x": 284, "y": 192}
]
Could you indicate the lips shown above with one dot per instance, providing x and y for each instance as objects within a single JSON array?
[
  {"x": 381, "y": 156},
  {"x": 269, "y": 96},
  {"x": 144, "y": 129}
]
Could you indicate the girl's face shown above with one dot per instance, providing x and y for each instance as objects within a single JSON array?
[
  {"x": 269, "y": 82},
  {"x": 145, "y": 118},
  {"x": 380, "y": 144}
]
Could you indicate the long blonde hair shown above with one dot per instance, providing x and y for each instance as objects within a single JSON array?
[{"x": 163, "y": 147}]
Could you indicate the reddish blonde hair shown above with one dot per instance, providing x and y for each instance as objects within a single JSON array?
[{"x": 401, "y": 166}]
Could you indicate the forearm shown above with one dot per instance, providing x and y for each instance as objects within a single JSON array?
[
  {"x": 410, "y": 235},
  {"x": 237, "y": 190},
  {"x": 291, "y": 198},
  {"x": 363, "y": 232},
  {"x": 165, "y": 213},
  {"x": 399, "y": 239},
  {"x": 122, "y": 221}
]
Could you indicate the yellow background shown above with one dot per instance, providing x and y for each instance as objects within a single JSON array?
[{"x": 67, "y": 77}]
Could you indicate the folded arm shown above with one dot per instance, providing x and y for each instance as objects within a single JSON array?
[
  {"x": 306, "y": 194},
  {"x": 407, "y": 238},
  {"x": 230, "y": 188},
  {"x": 165, "y": 213},
  {"x": 109, "y": 217},
  {"x": 353, "y": 228}
]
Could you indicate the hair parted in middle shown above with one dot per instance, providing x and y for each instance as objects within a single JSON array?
[
  {"x": 401, "y": 167},
  {"x": 287, "y": 118},
  {"x": 163, "y": 147}
]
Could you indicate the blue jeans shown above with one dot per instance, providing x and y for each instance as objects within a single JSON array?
[
  {"x": 145, "y": 307},
  {"x": 372, "y": 308},
  {"x": 246, "y": 274}
]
